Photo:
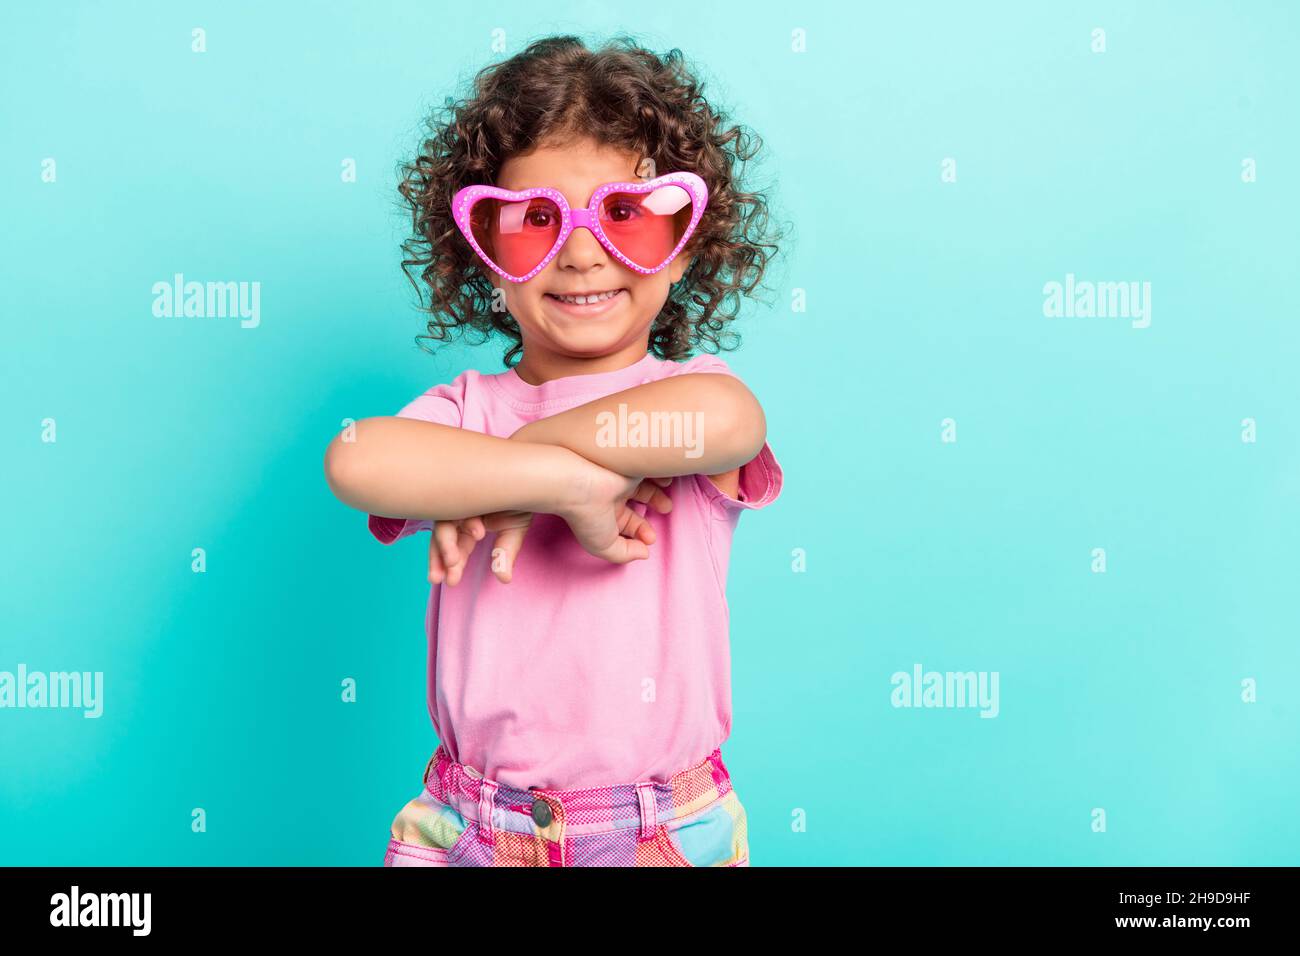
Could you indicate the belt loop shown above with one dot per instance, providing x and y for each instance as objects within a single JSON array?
[
  {"x": 429, "y": 766},
  {"x": 645, "y": 794},
  {"x": 487, "y": 790}
]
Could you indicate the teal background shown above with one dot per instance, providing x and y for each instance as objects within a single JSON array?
[{"x": 1119, "y": 691}]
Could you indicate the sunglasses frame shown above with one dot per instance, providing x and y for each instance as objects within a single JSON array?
[{"x": 587, "y": 217}]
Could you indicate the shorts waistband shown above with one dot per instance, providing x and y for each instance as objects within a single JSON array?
[{"x": 643, "y": 805}]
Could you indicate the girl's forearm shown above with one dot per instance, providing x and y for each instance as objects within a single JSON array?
[
  {"x": 700, "y": 423},
  {"x": 404, "y": 468}
]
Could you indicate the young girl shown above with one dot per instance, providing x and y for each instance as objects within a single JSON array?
[{"x": 585, "y": 205}]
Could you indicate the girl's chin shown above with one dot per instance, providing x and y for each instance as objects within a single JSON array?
[{"x": 582, "y": 341}]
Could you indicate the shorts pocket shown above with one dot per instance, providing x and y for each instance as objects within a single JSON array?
[
  {"x": 717, "y": 836},
  {"x": 409, "y": 854},
  {"x": 426, "y": 832}
]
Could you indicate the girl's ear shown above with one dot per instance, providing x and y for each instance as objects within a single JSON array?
[{"x": 677, "y": 268}]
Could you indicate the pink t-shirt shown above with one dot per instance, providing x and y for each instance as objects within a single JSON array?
[{"x": 582, "y": 673}]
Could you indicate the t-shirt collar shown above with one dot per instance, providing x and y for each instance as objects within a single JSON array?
[{"x": 569, "y": 387}]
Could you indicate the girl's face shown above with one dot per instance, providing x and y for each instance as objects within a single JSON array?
[{"x": 557, "y": 331}]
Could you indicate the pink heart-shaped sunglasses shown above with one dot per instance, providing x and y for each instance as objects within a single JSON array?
[{"x": 644, "y": 225}]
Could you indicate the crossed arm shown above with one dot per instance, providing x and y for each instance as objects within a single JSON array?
[
  {"x": 583, "y": 464},
  {"x": 718, "y": 421}
]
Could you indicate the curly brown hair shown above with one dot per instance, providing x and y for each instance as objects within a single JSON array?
[{"x": 621, "y": 95}]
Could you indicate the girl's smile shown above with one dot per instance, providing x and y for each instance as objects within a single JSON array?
[{"x": 587, "y": 305}]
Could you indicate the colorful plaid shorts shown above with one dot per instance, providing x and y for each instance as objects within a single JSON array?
[{"x": 462, "y": 819}]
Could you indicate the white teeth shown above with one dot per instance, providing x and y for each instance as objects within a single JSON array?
[{"x": 588, "y": 299}]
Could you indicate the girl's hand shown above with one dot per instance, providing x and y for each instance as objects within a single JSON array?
[
  {"x": 601, "y": 517},
  {"x": 452, "y": 542}
]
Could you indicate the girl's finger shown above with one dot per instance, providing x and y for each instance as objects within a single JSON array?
[
  {"x": 644, "y": 491},
  {"x": 633, "y": 525},
  {"x": 624, "y": 550},
  {"x": 660, "y": 502},
  {"x": 437, "y": 571},
  {"x": 446, "y": 533},
  {"x": 498, "y": 520},
  {"x": 625, "y": 519},
  {"x": 465, "y": 545},
  {"x": 474, "y": 527},
  {"x": 650, "y": 492},
  {"x": 645, "y": 532},
  {"x": 505, "y": 548}
]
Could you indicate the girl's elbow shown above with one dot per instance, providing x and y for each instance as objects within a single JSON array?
[
  {"x": 746, "y": 428},
  {"x": 343, "y": 469},
  {"x": 755, "y": 436}
]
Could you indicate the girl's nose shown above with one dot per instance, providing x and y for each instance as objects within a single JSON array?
[{"x": 581, "y": 251}]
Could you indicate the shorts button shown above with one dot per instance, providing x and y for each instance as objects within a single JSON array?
[{"x": 541, "y": 813}]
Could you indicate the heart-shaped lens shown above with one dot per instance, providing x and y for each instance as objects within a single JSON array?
[
  {"x": 646, "y": 227},
  {"x": 515, "y": 235}
]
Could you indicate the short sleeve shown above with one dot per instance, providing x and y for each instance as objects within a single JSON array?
[
  {"x": 442, "y": 405},
  {"x": 761, "y": 478}
]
